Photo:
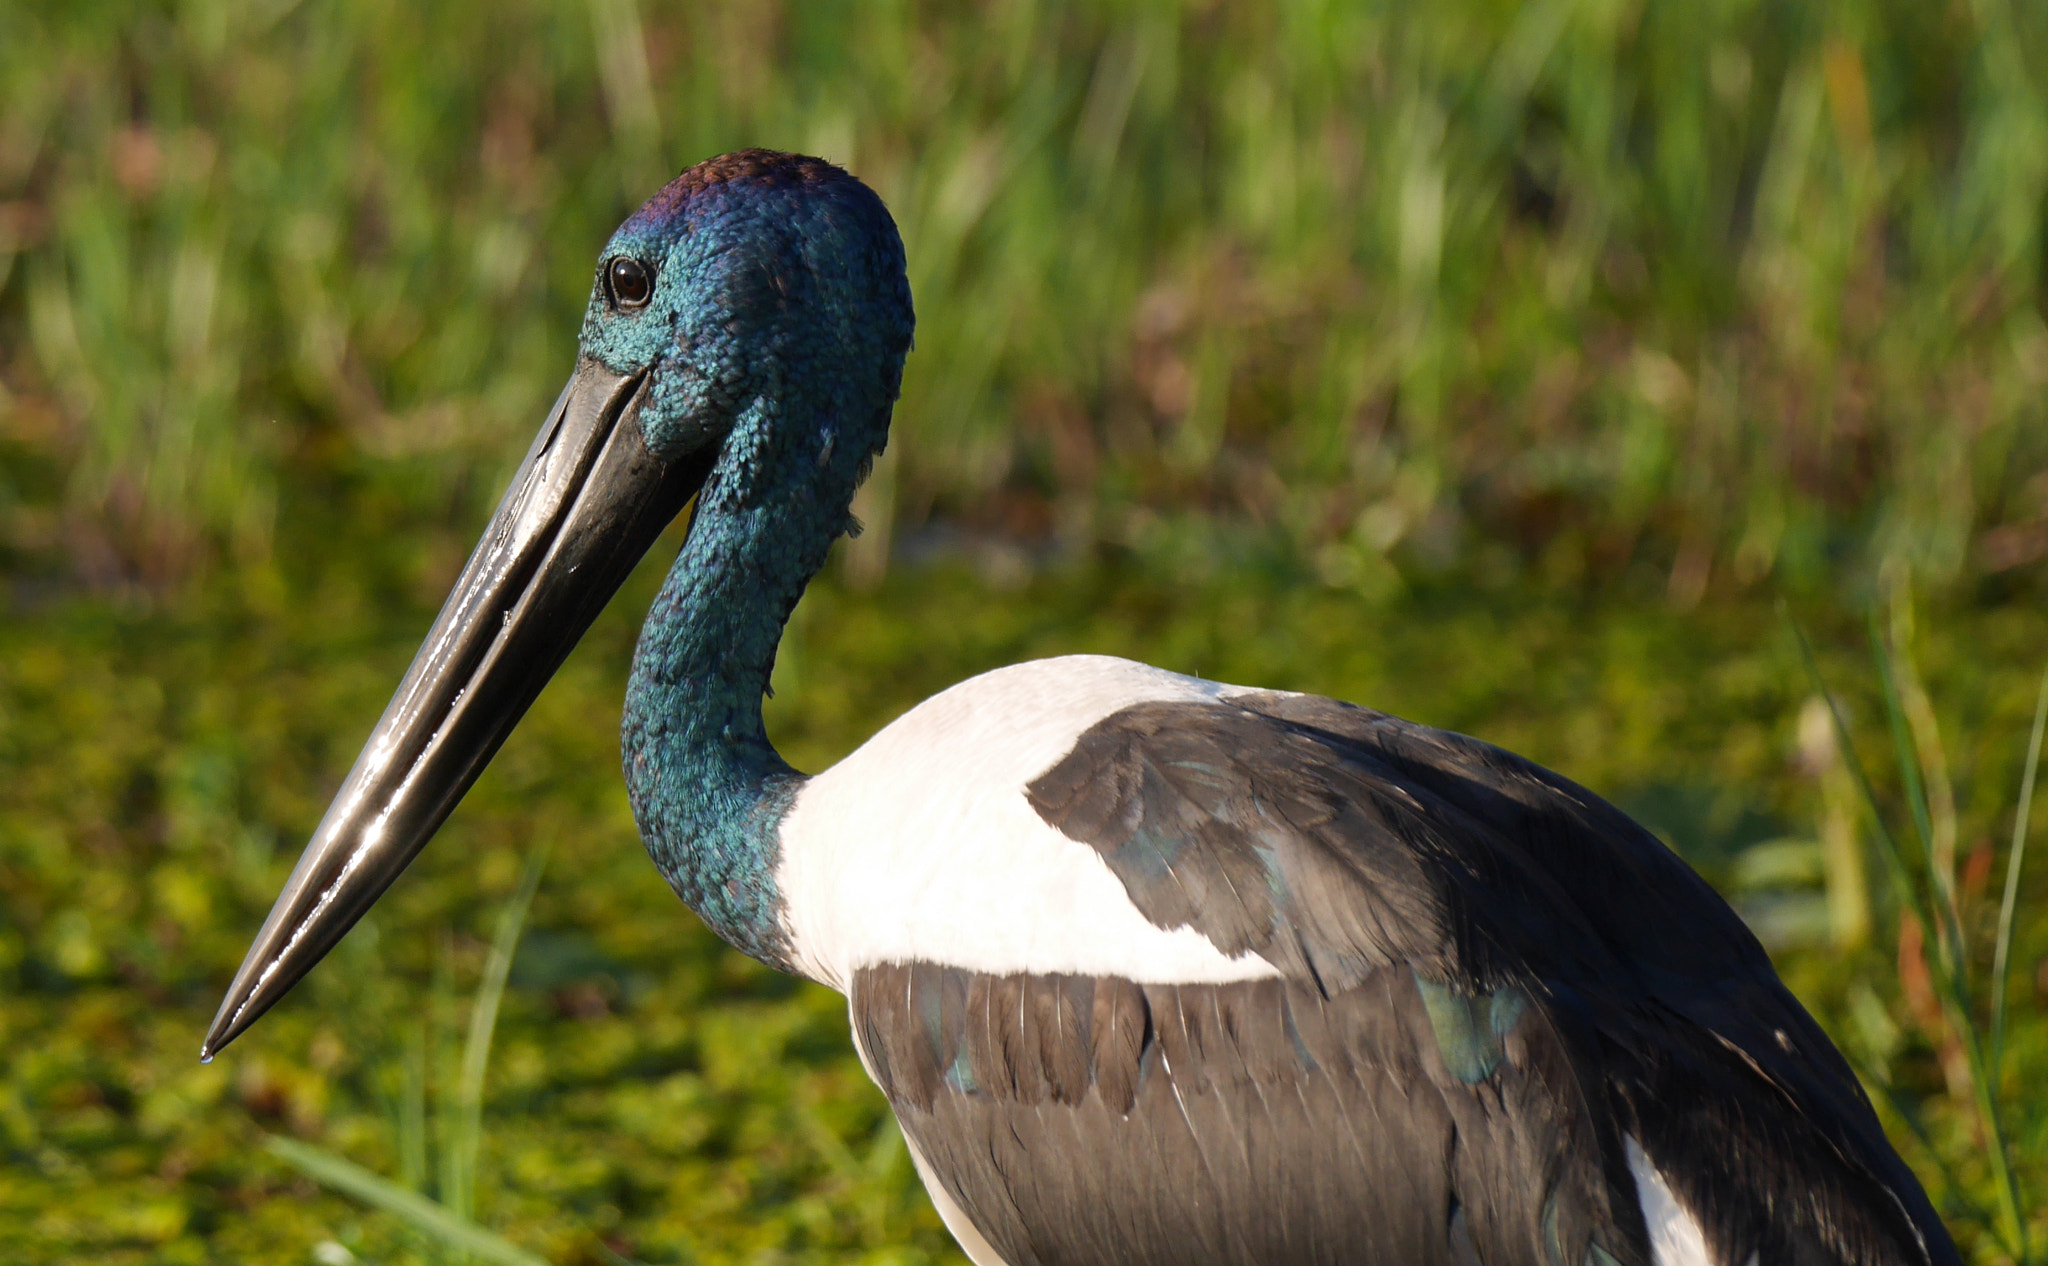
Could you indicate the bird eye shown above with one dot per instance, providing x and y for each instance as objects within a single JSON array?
[{"x": 630, "y": 285}]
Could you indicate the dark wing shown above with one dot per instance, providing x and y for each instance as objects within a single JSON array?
[
  {"x": 1090, "y": 1120},
  {"x": 1579, "y": 981}
]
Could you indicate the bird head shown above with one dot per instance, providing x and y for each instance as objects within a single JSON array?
[
  {"x": 755, "y": 277},
  {"x": 746, "y": 331}
]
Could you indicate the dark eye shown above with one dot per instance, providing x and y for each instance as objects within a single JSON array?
[{"x": 630, "y": 284}]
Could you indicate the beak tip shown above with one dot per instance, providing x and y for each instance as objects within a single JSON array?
[
  {"x": 216, "y": 1039},
  {"x": 236, "y": 1014}
]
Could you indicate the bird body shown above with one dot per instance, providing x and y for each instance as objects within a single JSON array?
[{"x": 1151, "y": 969}]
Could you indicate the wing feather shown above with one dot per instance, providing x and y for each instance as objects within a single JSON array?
[{"x": 1351, "y": 849}]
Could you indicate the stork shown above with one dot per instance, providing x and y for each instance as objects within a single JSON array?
[{"x": 1152, "y": 969}]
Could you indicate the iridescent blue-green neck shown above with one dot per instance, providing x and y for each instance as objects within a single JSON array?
[{"x": 707, "y": 787}]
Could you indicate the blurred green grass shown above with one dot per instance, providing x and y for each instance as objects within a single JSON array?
[
  {"x": 1495, "y": 364},
  {"x": 1727, "y": 290}
]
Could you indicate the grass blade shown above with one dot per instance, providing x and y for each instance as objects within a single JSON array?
[
  {"x": 476, "y": 1048},
  {"x": 1908, "y": 760},
  {"x": 2015, "y": 858},
  {"x": 1927, "y": 908},
  {"x": 1940, "y": 911},
  {"x": 1895, "y": 857},
  {"x": 425, "y": 1215}
]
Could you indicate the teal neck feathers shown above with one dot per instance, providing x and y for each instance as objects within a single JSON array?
[{"x": 707, "y": 787}]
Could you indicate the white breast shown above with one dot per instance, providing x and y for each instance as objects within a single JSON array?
[{"x": 921, "y": 845}]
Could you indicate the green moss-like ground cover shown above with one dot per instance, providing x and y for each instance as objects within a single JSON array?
[{"x": 650, "y": 1090}]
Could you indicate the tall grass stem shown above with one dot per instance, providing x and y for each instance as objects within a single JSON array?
[
  {"x": 2016, "y": 857},
  {"x": 476, "y": 1049},
  {"x": 1907, "y": 757},
  {"x": 1932, "y": 912}
]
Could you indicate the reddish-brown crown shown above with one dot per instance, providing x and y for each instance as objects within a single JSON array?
[{"x": 770, "y": 167}]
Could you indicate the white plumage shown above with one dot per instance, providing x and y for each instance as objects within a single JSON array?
[
  {"x": 920, "y": 845},
  {"x": 1675, "y": 1235}
]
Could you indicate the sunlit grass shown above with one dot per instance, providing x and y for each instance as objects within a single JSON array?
[
  {"x": 1726, "y": 291},
  {"x": 1974, "y": 1010}
]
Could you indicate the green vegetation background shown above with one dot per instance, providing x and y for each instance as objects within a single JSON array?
[{"x": 1501, "y": 365}]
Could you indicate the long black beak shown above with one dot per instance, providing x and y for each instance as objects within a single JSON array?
[{"x": 586, "y": 504}]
